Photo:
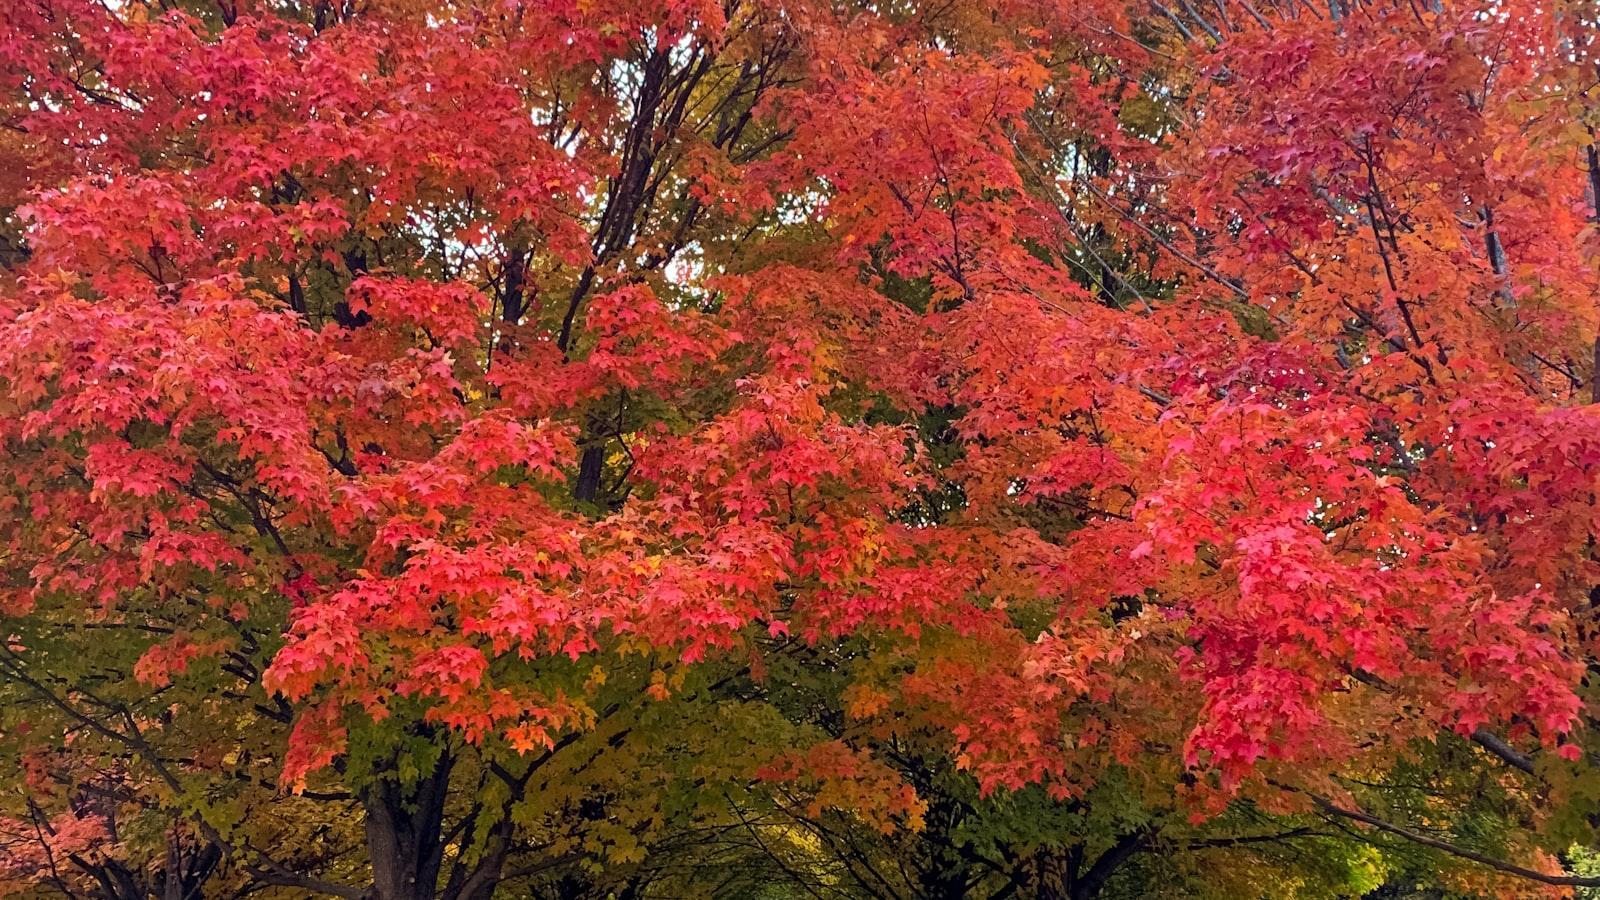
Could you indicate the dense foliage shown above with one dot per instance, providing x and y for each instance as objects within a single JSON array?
[{"x": 798, "y": 448}]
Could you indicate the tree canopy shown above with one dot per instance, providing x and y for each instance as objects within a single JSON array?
[{"x": 799, "y": 448}]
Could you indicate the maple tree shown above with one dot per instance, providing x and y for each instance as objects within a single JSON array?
[{"x": 806, "y": 448}]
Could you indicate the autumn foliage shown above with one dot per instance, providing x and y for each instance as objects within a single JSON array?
[{"x": 813, "y": 448}]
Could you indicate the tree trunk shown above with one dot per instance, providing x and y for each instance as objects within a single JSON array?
[
  {"x": 479, "y": 882},
  {"x": 404, "y": 834}
]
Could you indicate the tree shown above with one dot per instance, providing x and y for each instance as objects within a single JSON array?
[{"x": 718, "y": 446}]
